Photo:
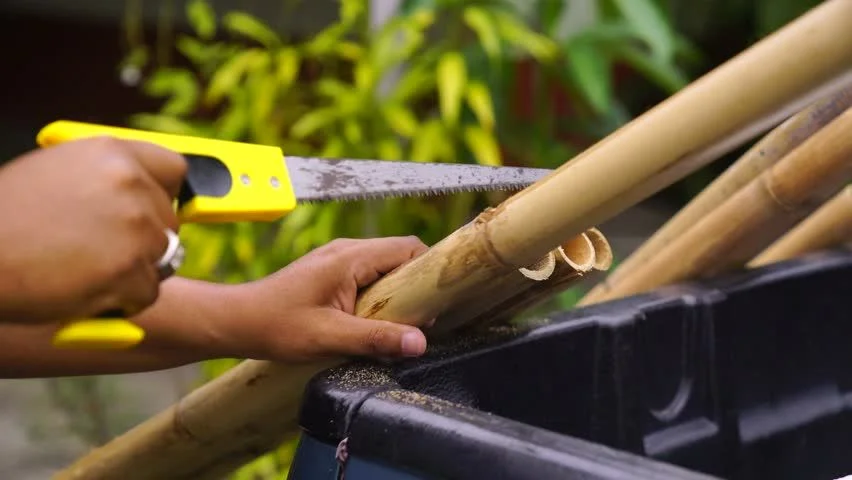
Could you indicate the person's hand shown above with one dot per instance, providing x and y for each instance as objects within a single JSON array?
[
  {"x": 83, "y": 227},
  {"x": 305, "y": 310}
]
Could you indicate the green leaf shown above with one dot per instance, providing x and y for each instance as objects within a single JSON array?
[
  {"x": 664, "y": 74},
  {"x": 483, "y": 145},
  {"x": 353, "y": 132},
  {"x": 411, "y": 7},
  {"x": 351, "y": 10},
  {"x": 400, "y": 119},
  {"x": 163, "y": 123},
  {"x": 232, "y": 124},
  {"x": 431, "y": 143},
  {"x": 350, "y": 51},
  {"x": 396, "y": 41},
  {"x": 264, "y": 96},
  {"x": 176, "y": 83},
  {"x": 288, "y": 66},
  {"x": 229, "y": 75},
  {"x": 479, "y": 21},
  {"x": 650, "y": 25},
  {"x": 245, "y": 25},
  {"x": 365, "y": 76},
  {"x": 549, "y": 13},
  {"x": 416, "y": 80},
  {"x": 774, "y": 14},
  {"x": 243, "y": 242},
  {"x": 479, "y": 99},
  {"x": 313, "y": 121},
  {"x": 452, "y": 75},
  {"x": 202, "y": 18},
  {"x": 327, "y": 40},
  {"x": 539, "y": 46},
  {"x": 589, "y": 68},
  {"x": 389, "y": 149}
]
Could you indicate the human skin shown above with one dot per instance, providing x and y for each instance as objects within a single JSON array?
[{"x": 83, "y": 228}]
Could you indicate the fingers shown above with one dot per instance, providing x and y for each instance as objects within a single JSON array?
[
  {"x": 167, "y": 168},
  {"x": 372, "y": 258},
  {"x": 351, "y": 335}
]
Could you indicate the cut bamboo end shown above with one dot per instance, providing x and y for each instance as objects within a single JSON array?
[
  {"x": 828, "y": 227},
  {"x": 578, "y": 252},
  {"x": 541, "y": 270},
  {"x": 678, "y": 136},
  {"x": 603, "y": 250}
]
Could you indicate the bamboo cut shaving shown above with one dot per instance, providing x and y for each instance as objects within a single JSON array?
[{"x": 541, "y": 270}]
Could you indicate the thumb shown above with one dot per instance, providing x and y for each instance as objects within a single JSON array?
[{"x": 355, "y": 335}]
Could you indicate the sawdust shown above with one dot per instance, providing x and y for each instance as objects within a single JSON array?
[
  {"x": 422, "y": 400},
  {"x": 360, "y": 376}
]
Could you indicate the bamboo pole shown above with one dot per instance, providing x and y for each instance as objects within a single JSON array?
[
  {"x": 830, "y": 226},
  {"x": 762, "y": 155},
  {"x": 754, "y": 216},
  {"x": 569, "y": 263},
  {"x": 229, "y": 418}
]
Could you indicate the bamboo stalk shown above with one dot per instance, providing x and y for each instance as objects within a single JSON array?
[
  {"x": 595, "y": 252},
  {"x": 783, "y": 69},
  {"x": 754, "y": 216},
  {"x": 765, "y": 153},
  {"x": 568, "y": 263},
  {"x": 828, "y": 227}
]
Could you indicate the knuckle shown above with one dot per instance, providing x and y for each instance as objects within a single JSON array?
[
  {"x": 376, "y": 338},
  {"x": 137, "y": 217},
  {"x": 122, "y": 172},
  {"x": 106, "y": 144}
]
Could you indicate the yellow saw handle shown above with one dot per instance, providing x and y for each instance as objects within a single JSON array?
[{"x": 225, "y": 182}]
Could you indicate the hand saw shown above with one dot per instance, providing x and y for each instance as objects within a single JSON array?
[{"x": 233, "y": 182}]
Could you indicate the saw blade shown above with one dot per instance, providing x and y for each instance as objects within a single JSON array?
[{"x": 324, "y": 179}]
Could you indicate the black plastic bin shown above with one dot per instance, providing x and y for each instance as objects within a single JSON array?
[{"x": 745, "y": 377}]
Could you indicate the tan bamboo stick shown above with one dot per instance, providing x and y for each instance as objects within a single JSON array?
[
  {"x": 566, "y": 265},
  {"x": 775, "y": 73},
  {"x": 828, "y": 227},
  {"x": 763, "y": 154},
  {"x": 754, "y": 216},
  {"x": 566, "y": 274}
]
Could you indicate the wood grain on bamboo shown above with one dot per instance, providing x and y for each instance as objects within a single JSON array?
[
  {"x": 765, "y": 153},
  {"x": 828, "y": 227},
  {"x": 255, "y": 405},
  {"x": 754, "y": 216}
]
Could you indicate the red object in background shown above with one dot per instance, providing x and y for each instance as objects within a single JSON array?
[{"x": 559, "y": 98}]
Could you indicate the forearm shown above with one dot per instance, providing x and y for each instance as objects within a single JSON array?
[{"x": 181, "y": 328}]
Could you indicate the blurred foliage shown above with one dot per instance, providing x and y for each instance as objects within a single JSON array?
[{"x": 487, "y": 81}]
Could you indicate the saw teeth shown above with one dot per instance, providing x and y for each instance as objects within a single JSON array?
[{"x": 411, "y": 194}]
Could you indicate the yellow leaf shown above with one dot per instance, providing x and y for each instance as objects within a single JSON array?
[
  {"x": 539, "y": 46},
  {"x": 400, "y": 119},
  {"x": 353, "y": 132},
  {"x": 364, "y": 76},
  {"x": 452, "y": 75},
  {"x": 313, "y": 121},
  {"x": 478, "y": 20},
  {"x": 334, "y": 148},
  {"x": 483, "y": 145},
  {"x": 431, "y": 143},
  {"x": 243, "y": 242},
  {"x": 351, "y": 10},
  {"x": 389, "y": 149},
  {"x": 350, "y": 51},
  {"x": 479, "y": 98},
  {"x": 288, "y": 66},
  {"x": 231, "y": 73}
]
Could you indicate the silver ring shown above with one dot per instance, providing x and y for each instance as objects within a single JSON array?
[{"x": 173, "y": 258}]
